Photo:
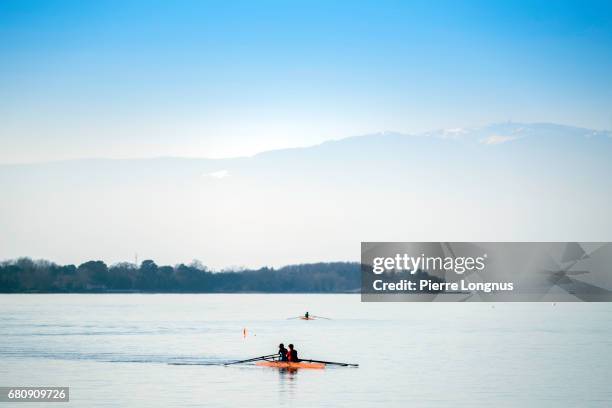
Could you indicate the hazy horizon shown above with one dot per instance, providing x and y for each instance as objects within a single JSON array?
[
  {"x": 456, "y": 130},
  {"x": 503, "y": 182}
]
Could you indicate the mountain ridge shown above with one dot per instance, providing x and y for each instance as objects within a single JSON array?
[{"x": 466, "y": 133}]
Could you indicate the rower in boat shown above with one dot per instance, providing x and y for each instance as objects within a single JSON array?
[
  {"x": 282, "y": 352},
  {"x": 306, "y": 315},
  {"x": 292, "y": 355}
]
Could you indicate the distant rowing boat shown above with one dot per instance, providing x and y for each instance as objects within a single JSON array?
[{"x": 308, "y": 316}]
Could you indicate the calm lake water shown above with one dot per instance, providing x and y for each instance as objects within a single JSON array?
[{"x": 116, "y": 350}]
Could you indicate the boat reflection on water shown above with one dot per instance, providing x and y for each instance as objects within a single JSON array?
[
  {"x": 288, "y": 372},
  {"x": 287, "y": 384}
]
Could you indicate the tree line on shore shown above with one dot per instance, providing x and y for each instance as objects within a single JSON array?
[{"x": 25, "y": 275}]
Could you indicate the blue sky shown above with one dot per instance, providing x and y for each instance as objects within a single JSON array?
[{"x": 225, "y": 78}]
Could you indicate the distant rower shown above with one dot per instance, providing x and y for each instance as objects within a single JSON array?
[{"x": 306, "y": 315}]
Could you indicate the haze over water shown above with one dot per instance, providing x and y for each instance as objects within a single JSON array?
[{"x": 118, "y": 350}]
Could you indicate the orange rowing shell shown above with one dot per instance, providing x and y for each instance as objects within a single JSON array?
[{"x": 286, "y": 364}]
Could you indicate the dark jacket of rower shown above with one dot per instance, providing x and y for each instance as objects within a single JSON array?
[
  {"x": 292, "y": 354},
  {"x": 282, "y": 352}
]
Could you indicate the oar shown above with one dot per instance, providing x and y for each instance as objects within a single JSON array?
[
  {"x": 330, "y": 362},
  {"x": 321, "y": 317},
  {"x": 252, "y": 359}
]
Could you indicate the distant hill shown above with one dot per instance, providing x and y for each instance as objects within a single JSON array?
[{"x": 502, "y": 182}]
